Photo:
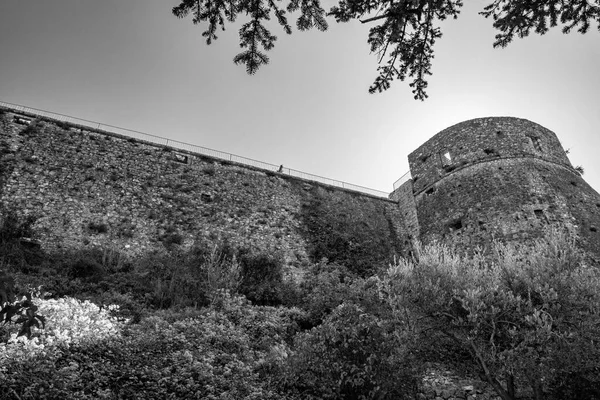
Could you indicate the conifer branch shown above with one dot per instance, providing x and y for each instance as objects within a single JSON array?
[{"x": 408, "y": 25}]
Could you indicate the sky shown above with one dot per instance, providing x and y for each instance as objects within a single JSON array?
[{"x": 132, "y": 64}]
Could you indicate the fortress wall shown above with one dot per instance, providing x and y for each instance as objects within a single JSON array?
[
  {"x": 92, "y": 189},
  {"x": 510, "y": 200},
  {"x": 406, "y": 201},
  {"x": 480, "y": 140},
  {"x": 507, "y": 179}
]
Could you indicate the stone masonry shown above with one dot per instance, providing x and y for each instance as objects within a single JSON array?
[{"x": 90, "y": 188}]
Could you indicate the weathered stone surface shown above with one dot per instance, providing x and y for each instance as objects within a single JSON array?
[
  {"x": 480, "y": 140},
  {"x": 506, "y": 179},
  {"x": 96, "y": 189},
  {"x": 488, "y": 178}
]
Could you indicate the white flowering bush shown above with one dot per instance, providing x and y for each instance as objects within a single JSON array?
[
  {"x": 223, "y": 352},
  {"x": 67, "y": 321}
]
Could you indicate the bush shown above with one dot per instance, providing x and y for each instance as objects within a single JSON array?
[
  {"x": 33, "y": 128},
  {"x": 63, "y": 125},
  {"x": 172, "y": 279},
  {"x": 62, "y": 322},
  {"x": 352, "y": 355},
  {"x": 86, "y": 267},
  {"x": 209, "y": 170},
  {"x": 324, "y": 287},
  {"x": 214, "y": 355},
  {"x": 191, "y": 278},
  {"x": 529, "y": 316},
  {"x": 171, "y": 238},
  {"x": 22, "y": 313},
  {"x": 97, "y": 228},
  {"x": 15, "y": 226},
  {"x": 337, "y": 233},
  {"x": 262, "y": 278},
  {"x": 13, "y": 250}
]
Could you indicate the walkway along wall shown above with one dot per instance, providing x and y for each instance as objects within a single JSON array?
[{"x": 95, "y": 189}]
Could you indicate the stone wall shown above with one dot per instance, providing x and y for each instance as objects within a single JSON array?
[
  {"x": 480, "y": 140},
  {"x": 500, "y": 184},
  {"x": 406, "y": 201},
  {"x": 92, "y": 188}
]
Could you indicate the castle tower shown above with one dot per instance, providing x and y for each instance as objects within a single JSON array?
[{"x": 500, "y": 178}]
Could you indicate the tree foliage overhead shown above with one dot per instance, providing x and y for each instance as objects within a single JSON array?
[{"x": 403, "y": 34}]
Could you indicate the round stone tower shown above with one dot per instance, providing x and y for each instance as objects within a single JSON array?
[{"x": 500, "y": 178}]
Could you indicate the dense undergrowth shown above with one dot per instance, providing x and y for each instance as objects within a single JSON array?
[{"x": 223, "y": 323}]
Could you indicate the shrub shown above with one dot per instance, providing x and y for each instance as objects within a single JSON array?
[
  {"x": 336, "y": 233},
  {"x": 213, "y": 355},
  {"x": 24, "y": 310},
  {"x": 324, "y": 287},
  {"x": 86, "y": 266},
  {"x": 97, "y": 228},
  {"x": 13, "y": 250},
  {"x": 7, "y": 288},
  {"x": 15, "y": 226},
  {"x": 171, "y": 280},
  {"x": 64, "y": 321},
  {"x": 28, "y": 368},
  {"x": 33, "y": 128},
  {"x": 190, "y": 278},
  {"x": 222, "y": 272},
  {"x": 171, "y": 237},
  {"x": 114, "y": 261},
  {"x": 262, "y": 278},
  {"x": 63, "y": 125},
  {"x": 209, "y": 170},
  {"x": 352, "y": 355},
  {"x": 528, "y": 315}
]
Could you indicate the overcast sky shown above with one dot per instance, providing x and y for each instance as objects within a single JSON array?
[{"x": 132, "y": 64}]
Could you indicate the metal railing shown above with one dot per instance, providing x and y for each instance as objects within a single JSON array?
[
  {"x": 191, "y": 148},
  {"x": 402, "y": 179}
]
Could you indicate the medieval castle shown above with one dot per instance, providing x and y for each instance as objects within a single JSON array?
[{"x": 489, "y": 178}]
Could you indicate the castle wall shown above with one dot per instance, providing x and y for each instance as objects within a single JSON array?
[
  {"x": 406, "y": 202},
  {"x": 95, "y": 189},
  {"x": 510, "y": 193},
  {"x": 505, "y": 178},
  {"x": 481, "y": 140}
]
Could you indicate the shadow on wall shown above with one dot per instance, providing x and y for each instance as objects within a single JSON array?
[{"x": 353, "y": 231}]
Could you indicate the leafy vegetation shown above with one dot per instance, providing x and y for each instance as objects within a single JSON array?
[
  {"x": 221, "y": 322},
  {"x": 528, "y": 319},
  {"x": 339, "y": 235},
  {"x": 24, "y": 311},
  {"x": 405, "y": 33},
  {"x": 353, "y": 354}
]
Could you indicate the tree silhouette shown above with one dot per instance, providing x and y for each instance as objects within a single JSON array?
[{"x": 404, "y": 32}]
